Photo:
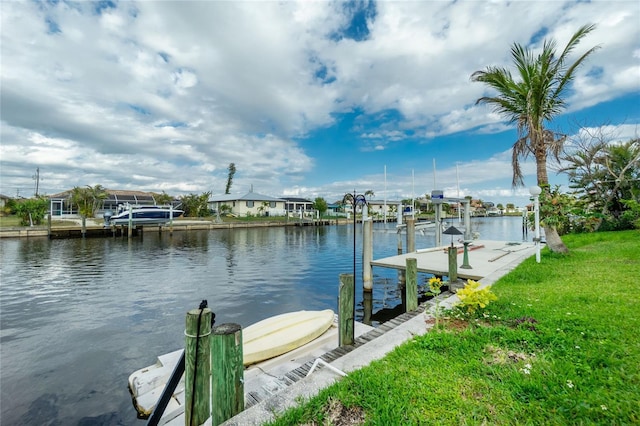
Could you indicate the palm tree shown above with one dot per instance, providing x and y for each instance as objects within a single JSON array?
[
  {"x": 88, "y": 199},
  {"x": 532, "y": 102}
]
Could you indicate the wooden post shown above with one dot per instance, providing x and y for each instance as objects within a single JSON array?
[
  {"x": 367, "y": 254},
  {"x": 367, "y": 307},
  {"x": 83, "y": 230},
  {"x": 49, "y": 224},
  {"x": 197, "y": 367},
  {"x": 346, "y": 310},
  {"x": 453, "y": 264},
  {"x": 411, "y": 287},
  {"x": 411, "y": 234},
  {"x": 401, "y": 274},
  {"x": 227, "y": 372}
]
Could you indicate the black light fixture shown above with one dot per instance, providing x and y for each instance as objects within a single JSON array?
[
  {"x": 354, "y": 199},
  {"x": 452, "y": 230}
]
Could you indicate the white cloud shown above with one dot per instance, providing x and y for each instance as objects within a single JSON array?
[{"x": 187, "y": 87}]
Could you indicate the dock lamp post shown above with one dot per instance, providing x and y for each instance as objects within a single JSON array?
[
  {"x": 535, "y": 192},
  {"x": 453, "y": 255},
  {"x": 354, "y": 199}
]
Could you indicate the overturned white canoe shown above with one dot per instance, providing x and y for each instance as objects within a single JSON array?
[{"x": 283, "y": 333}]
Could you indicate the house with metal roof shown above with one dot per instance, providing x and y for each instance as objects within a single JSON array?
[
  {"x": 249, "y": 204},
  {"x": 61, "y": 205}
]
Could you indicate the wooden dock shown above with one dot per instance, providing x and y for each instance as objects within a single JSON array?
[
  {"x": 485, "y": 257},
  {"x": 263, "y": 380}
]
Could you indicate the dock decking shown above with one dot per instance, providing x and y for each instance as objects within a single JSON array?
[{"x": 485, "y": 257}]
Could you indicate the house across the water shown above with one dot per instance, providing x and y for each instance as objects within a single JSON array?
[
  {"x": 61, "y": 205},
  {"x": 251, "y": 203}
]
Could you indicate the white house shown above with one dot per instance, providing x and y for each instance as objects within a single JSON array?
[
  {"x": 250, "y": 204},
  {"x": 377, "y": 208}
]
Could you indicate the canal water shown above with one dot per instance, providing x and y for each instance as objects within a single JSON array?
[{"x": 78, "y": 316}]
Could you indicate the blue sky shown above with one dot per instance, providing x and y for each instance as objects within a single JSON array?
[{"x": 308, "y": 99}]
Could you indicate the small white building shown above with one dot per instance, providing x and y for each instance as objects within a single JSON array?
[
  {"x": 376, "y": 208},
  {"x": 249, "y": 204}
]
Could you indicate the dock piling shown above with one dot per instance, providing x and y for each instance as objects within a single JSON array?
[
  {"x": 367, "y": 254},
  {"x": 411, "y": 287},
  {"x": 346, "y": 310},
  {"x": 197, "y": 366},
  {"x": 453, "y": 264},
  {"x": 227, "y": 372},
  {"x": 411, "y": 234}
]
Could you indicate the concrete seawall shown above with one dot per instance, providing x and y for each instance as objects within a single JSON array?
[{"x": 93, "y": 231}]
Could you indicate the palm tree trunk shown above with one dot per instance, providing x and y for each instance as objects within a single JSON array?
[{"x": 554, "y": 242}]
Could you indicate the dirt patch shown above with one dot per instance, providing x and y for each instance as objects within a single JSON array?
[
  {"x": 496, "y": 355},
  {"x": 339, "y": 415},
  {"x": 450, "y": 324}
]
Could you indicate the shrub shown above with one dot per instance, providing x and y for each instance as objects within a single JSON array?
[
  {"x": 32, "y": 211},
  {"x": 472, "y": 297}
]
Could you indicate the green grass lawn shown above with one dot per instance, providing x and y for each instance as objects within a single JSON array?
[
  {"x": 9, "y": 221},
  {"x": 560, "y": 346}
]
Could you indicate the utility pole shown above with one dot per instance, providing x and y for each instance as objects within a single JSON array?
[{"x": 37, "y": 179}]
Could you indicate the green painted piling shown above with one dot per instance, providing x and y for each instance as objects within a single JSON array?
[
  {"x": 411, "y": 287},
  {"x": 346, "y": 310},
  {"x": 453, "y": 264},
  {"x": 227, "y": 372},
  {"x": 197, "y": 372}
]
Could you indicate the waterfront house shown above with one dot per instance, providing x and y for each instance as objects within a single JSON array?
[
  {"x": 249, "y": 204},
  {"x": 61, "y": 205},
  {"x": 296, "y": 205},
  {"x": 377, "y": 208}
]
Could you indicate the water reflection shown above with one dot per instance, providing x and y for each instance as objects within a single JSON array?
[{"x": 78, "y": 316}]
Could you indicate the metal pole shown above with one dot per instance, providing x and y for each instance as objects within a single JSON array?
[
  {"x": 537, "y": 218},
  {"x": 355, "y": 203}
]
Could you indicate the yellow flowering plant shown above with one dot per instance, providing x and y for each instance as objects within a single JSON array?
[
  {"x": 435, "y": 285},
  {"x": 472, "y": 297}
]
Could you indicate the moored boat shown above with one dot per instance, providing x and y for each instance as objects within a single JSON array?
[{"x": 143, "y": 215}]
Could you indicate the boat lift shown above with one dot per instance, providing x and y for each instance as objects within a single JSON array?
[{"x": 437, "y": 198}]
